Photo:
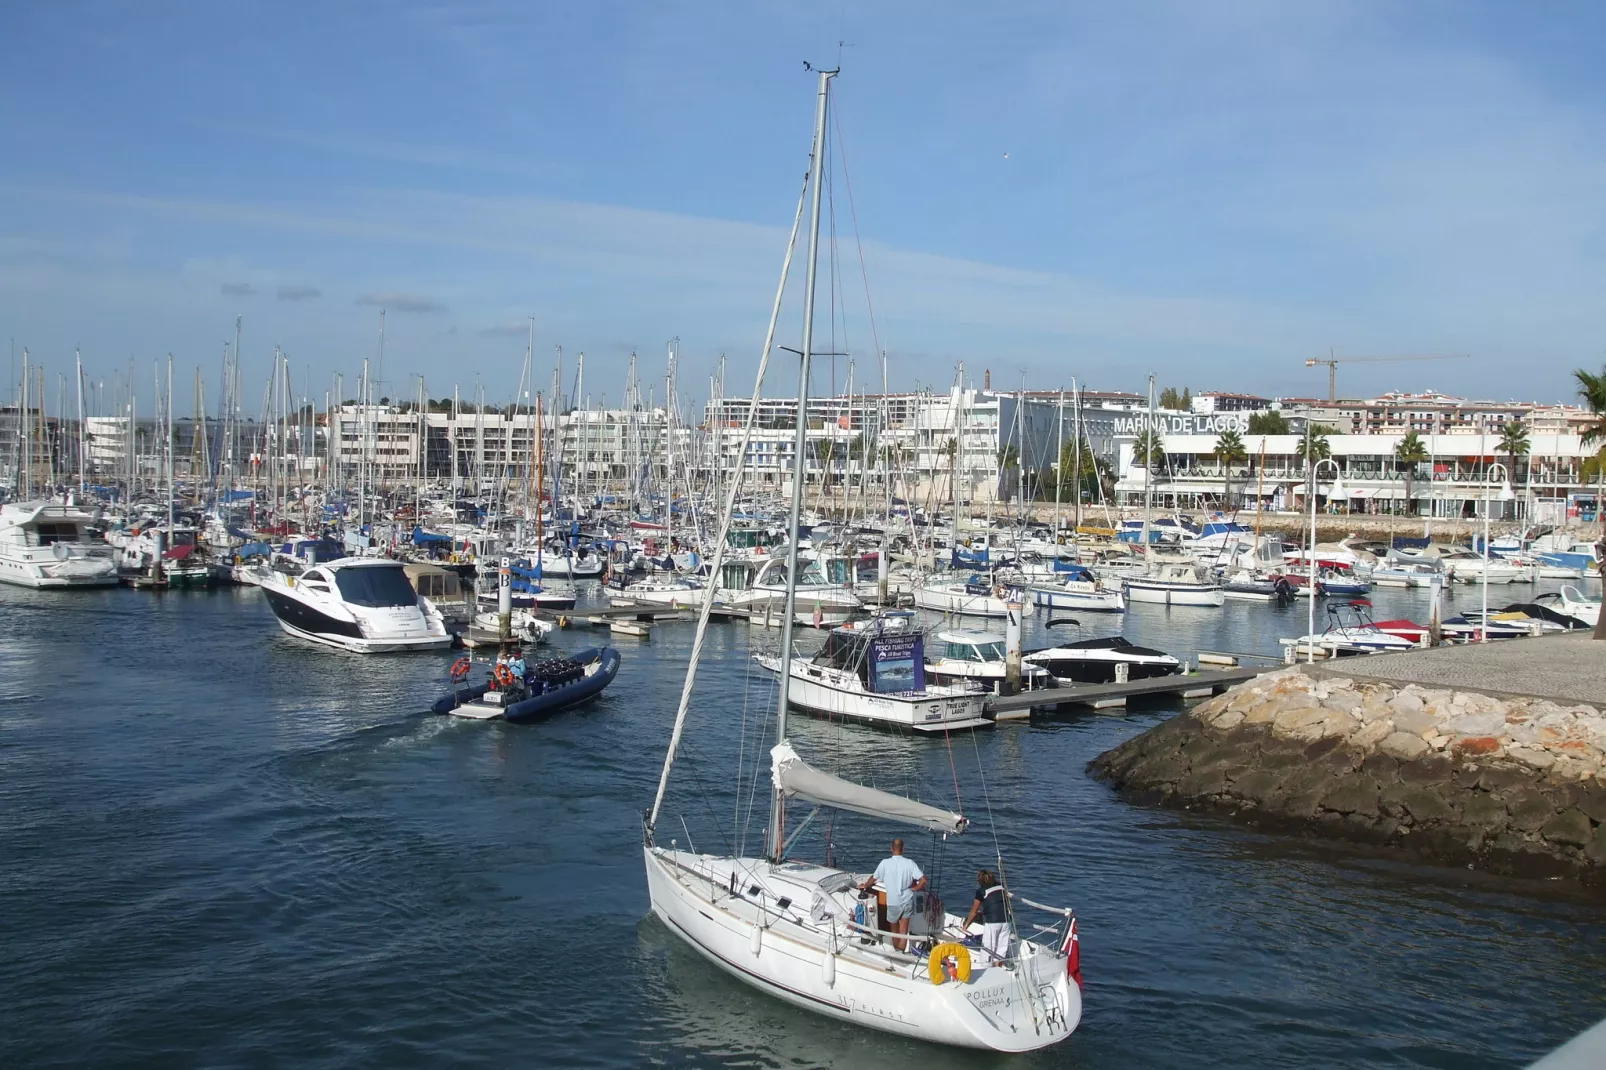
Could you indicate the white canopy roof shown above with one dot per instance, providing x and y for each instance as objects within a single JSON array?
[{"x": 796, "y": 779}]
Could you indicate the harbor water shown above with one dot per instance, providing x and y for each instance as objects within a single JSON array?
[{"x": 223, "y": 847}]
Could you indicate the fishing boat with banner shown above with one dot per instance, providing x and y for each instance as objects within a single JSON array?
[{"x": 877, "y": 674}]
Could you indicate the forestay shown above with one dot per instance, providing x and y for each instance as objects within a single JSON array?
[{"x": 796, "y": 779}]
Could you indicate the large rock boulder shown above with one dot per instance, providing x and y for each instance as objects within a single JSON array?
[{"x": 1509, "y": 785}]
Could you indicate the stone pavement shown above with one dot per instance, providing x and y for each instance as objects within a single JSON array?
[{"x": 1565, "y": 668}]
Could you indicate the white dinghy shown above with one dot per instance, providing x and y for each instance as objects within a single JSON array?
[{"x": 790, "y": 928}]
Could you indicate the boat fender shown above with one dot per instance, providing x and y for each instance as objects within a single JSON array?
[
  {"x": 828, "y": 970},
  {"x": 755, "y": 943},
  {"x": 949, "y": 962}
]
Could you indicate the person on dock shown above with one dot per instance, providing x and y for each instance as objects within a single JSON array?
[
  {"x": 900, "y": 878},
  {"x": 990, "y": 907}
]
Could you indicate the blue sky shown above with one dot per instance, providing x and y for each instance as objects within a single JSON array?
[{"x": 1211, "y": 192}]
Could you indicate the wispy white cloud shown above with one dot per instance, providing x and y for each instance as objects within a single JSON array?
[
  {"x": 296, "y": 292},
  {"x": 391, "y": 301}
]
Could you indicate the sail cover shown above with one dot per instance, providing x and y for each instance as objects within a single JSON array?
[{"x": 796, "y": 779}]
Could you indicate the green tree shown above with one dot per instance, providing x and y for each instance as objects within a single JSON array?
[
  {"x": 1149, "y": 449},
  {"x": 1410, "y": 452},
  {"x": 1187, "y": 399},
  {"x": 1514, "y": 444},
  {"x": 1592, "y": 389},
  {"x": 1313, "y": 445},
  {"x": 1228, "y": 452},
  {"x": 1269, "y": 422},
  {"x": 1080, "y": 471},
  {"x": 1170, "y": 399}
]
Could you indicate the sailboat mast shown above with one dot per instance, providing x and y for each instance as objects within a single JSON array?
[
  {"x": 1148, "y": 480},
  {"x": 1059, "y": 464},
  {"x": 816, "y": 166},
  {"x": 83, "y": 438},
  {"x": 1076, "y": 463}
]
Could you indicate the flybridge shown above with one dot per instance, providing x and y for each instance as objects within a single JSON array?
[{"x": 1182, "y": 423}]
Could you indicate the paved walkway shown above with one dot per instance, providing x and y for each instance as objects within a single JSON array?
[{"x": 1567, "y": 668}]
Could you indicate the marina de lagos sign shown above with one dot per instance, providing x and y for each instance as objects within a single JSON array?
[{"x": 1183, "y": 423}]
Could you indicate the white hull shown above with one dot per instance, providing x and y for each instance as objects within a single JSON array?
[
  {"x": 953, "y": 598},
  {"x": 834, "y": 693},
  {"x": 1169, "y": 593},
  {"x": 368, "y": 646},
  {"x": 653, "y": 594},
  {"x": 1087, "y": 601},
  {"x": 42, "y": 577},
  {"x": 823, "y": 967}
]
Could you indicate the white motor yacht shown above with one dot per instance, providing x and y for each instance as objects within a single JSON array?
[
  {"x": 961, "y": 657},
  {"x": 1100, "y": 661},
  {"x": 364, "y": 605},
  {"x": 45, "y": 544},
  {"x": 1176, "y": 583},
  {"x": 1468, "y": 566},
  {"x": 663, "y": 590},
  {"x": 817, "y": 589}
]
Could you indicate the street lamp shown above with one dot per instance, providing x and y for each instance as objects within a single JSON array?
[
  {"x": 1505, "y": 495},
  {"x": 1336, "y": 491}
]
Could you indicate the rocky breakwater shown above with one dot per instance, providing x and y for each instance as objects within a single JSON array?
[{"x": 1512, "y": 785}]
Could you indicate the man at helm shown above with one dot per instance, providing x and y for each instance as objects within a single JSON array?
[{"x": 900, "y": 879}]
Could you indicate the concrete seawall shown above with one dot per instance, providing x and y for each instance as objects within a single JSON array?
[{"x": 1505, "y": 772}]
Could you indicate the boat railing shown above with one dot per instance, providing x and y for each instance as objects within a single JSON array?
[{"x": 1064, "y": 912}]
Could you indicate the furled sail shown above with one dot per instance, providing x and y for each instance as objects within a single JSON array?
[{"x": 796, "y": 779}]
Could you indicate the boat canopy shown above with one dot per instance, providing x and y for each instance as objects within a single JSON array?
[
  {"x": 420, "y": 537},
  {"x": 796, "y": 779}
]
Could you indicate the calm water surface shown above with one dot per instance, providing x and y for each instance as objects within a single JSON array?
[{"x": 219, "y": 847}]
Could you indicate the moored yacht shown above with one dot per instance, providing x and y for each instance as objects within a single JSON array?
[
  {"x": 45, "y": 544},
  {"x": 823, "y": 587},
  {"x": 1175, "y": 583},
  {"x": 364, "y": 605},
  {"x": 878, "y": 674},
  {"x": 1099, "y": 661},
  {"x": 971, "y": 598},
  {"x": 960, "y": 657}
]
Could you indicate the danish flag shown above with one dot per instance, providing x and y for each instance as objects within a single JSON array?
[{"x": 1071, "y": 948}]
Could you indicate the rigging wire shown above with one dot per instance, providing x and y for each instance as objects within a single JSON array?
[
  {"x": 678, "y": 732},
  {"x": 847, "y": 179}
]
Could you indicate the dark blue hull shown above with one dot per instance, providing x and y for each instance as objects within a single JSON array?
[{"x": 538, "y": 707}]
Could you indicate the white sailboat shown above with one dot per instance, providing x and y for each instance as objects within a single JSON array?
[{"x": 788, "y": 927}]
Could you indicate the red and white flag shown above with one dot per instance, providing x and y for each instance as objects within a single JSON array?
[{"x": 1072, "y": 950}]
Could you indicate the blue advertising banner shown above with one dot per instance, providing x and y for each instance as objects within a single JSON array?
[{"x": 897, "y": 663}]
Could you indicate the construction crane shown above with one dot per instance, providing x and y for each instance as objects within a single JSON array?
[{"x": 1333, "y": 362}]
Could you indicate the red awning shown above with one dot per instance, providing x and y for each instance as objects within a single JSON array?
[{"x": 178, "y": 553}]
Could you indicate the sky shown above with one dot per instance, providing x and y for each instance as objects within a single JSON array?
[{"x": 1211, "y": 193}]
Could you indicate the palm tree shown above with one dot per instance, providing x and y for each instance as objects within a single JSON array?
[
  {"x": 1514, "y": 443},
  {"x": 1229, "y": 451},
  {"x": 1411, "y": 451},
  {"x": 1149, "y": 449},
  {"x": 1311, "y": 448},
  {"x": 1592, "y": 389}
]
